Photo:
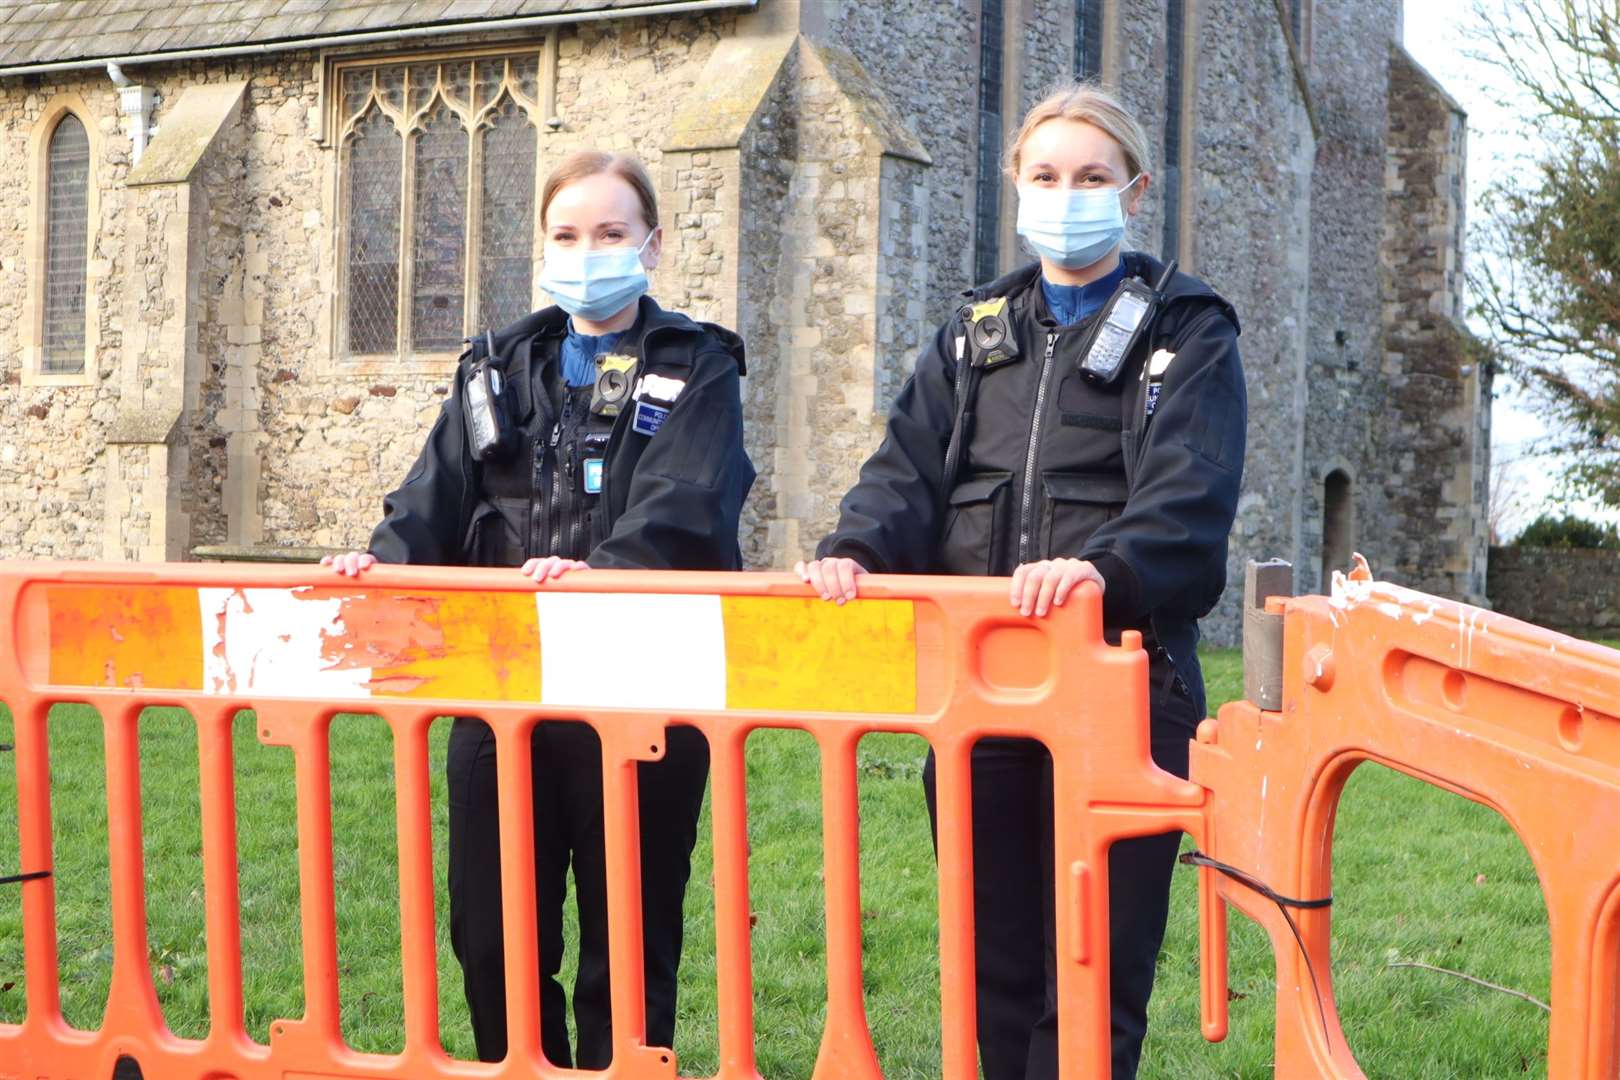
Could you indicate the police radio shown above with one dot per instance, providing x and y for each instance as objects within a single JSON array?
[
  {"x": 490, "y": 431},
  {"x": 1120, "y": 326}
]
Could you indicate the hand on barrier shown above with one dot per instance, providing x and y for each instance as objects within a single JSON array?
[
  {"x": 834, "y": 579},
  {"x": 552, "y": 566},
  {"x": 350, "y": 564},
  {"x": 1040, "y": 586}
]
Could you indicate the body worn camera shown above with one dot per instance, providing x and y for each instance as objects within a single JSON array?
[
  {"x": 1124, "y": 319},
  {"x": 491, "y": 432},
  {"x": 990, "y": 332},
  {"x": 615, "y": 374}
]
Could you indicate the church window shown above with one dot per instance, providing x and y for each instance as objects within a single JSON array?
[
  {"x": 1338, "y": 523},
  {"x": 67, "y": 233},
  {"x": 987, "y": 202},
  {"x": 1175, "y": 63},
  {"x": 1088, "y": 38},
  {"x": 438, "y": 191}
]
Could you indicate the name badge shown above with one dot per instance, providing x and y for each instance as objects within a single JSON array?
[
  {"x": 648, "y": 418},
  {"x": 593, "y": 475}
]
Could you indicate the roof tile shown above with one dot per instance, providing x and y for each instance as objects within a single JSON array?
[{"x": 46, "y": 31}]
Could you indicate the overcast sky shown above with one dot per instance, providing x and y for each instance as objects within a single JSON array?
[{"x": 1436, "y": 33}]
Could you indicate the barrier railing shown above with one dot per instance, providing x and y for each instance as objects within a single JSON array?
[
  {"x": 945, "y": 659},
  {"x": 1514, "y": 717}
]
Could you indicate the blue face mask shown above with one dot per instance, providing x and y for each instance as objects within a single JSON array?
[
  {"x": 1073, "y": 228},
  {"x": 594, "y": 284}
]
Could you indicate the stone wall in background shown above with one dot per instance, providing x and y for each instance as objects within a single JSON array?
[
  {"x": 1577, "y": 592},
  {"x": 1248, "y": 153},
  {"x": 1344, "y": 332},
  {"x": 53, "y": 448},
  {"x": 1434, "y": 449}
]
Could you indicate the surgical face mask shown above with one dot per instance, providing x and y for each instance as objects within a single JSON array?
[
  {"x": 1073, "y": 228},
  {"x": 594, "y": 284}
]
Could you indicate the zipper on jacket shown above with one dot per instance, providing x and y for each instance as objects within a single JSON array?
[
  {"x": 1026, "y": 522},
  {"x": 556, "y": 475},
  {"x": 537, "y": 475}
]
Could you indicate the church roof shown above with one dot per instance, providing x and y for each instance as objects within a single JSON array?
[{"x": 58, "y": 32}]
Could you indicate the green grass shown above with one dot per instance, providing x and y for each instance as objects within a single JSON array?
[{"x": 1419, "y": 874}]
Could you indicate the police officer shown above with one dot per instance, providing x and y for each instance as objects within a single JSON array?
[
  {"x": 603, "y": 432},
  {"x": 1081, "y": 419}
]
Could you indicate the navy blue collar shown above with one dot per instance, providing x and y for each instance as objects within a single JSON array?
[{"x": 1070, "y": 304}]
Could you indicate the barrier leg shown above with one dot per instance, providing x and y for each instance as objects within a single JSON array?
[
  {"x": 846, "y": 1044},
  {"x": 733, "y": 945},
  {"x": 40, "y": 961},
  {"x": 418, "y": 940},
  {"x": 957, "y": 978},
  {"x": 216, "y": 763}
]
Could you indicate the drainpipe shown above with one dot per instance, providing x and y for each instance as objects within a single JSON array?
[{"x": 135, "y": 102}]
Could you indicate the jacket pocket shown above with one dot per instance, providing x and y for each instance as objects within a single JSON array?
[
  {"x": 495, "y": 533},
  {"x": 1077, "y": 505},
  {"x": 973, "y": 540}
]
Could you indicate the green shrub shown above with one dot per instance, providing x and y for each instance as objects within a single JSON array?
[{"x": 1568, "y": 531}]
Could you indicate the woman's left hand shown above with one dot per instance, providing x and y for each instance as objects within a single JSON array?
[
  {"x": 544, "y": 570},
  {"x": 1039, "y": 586}
]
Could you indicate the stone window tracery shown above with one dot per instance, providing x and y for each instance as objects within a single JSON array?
[
  {"x": 67, "y": 234},
  {"x": 437, "y": 189}
]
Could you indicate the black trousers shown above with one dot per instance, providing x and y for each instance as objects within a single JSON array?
[
  {"x": 567, "y": 763},
  {"x": 1015, "y": 944}
]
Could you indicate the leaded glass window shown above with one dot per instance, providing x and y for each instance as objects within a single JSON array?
[
  {"x": 437, "y": 313},
  {"x": 67, "y": 237},
  {"x": 374, "y": 185},
  {"x": 1088, "y": 38},
  {"x": 506, "y": 261},
  {"x": 439, "y": 168},
  {"x": 1174, "y": 74},
  {"x": 987, "y": 202}
]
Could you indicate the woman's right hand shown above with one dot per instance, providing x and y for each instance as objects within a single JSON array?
[
  {"x": 834, "y": 579},
  {"x": 350, "y": 564}
]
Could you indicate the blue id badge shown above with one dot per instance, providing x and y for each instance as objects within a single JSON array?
[
  {"x": 592, "y": 475},
  {"x": 648, "y": 419}
]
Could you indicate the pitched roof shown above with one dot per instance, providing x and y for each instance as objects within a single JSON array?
[{"x": 56, "y": 31}]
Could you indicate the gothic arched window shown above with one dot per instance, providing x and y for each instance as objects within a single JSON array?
[{"x": 67, "y": 238}]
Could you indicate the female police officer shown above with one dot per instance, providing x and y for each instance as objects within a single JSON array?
[
  {"x": 1082, "y": 419},
  {"x": 602, "y": 432}
]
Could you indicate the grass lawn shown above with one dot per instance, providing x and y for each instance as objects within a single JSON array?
[{"x": 1419, "y": 874}]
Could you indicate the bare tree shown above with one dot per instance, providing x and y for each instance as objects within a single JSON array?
[{"x": 1548, "y": 284}]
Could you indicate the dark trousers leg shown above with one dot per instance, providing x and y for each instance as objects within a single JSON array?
[
  {"x": 671, "y": 796},
  {"x": 1139, "y": 872},
  {"x": 1012, "y": 798},
  {"x": 1013, "y": 891},
  {"x": 475, "y": 893}
]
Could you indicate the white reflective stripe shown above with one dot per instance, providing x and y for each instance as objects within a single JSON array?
[
  {"x": 961, "y": 347},
  {"x": 278, "y": 643},
  {"x": 632, "y": 651}
]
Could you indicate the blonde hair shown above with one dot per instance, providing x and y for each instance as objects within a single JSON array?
[
  {"x": 583, "y": 163},
  {"x": 1088, "y": 103}
]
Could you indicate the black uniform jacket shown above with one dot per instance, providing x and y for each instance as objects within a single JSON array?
[
  {"x": 1056, "y": 466},
  {"x": 670, "y": 500}
]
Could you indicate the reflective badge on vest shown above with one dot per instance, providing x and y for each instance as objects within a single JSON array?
[{"x": 648, "y": 418}]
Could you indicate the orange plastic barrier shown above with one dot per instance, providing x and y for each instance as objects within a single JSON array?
[
  {"x": 1514, "y": 717},
  {"x": 943, "y": 658}
]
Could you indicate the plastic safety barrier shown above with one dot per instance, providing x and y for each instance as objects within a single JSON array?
[
  {"x": 1514, "y": 717},
  {"x": 946, "y": 659}
]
